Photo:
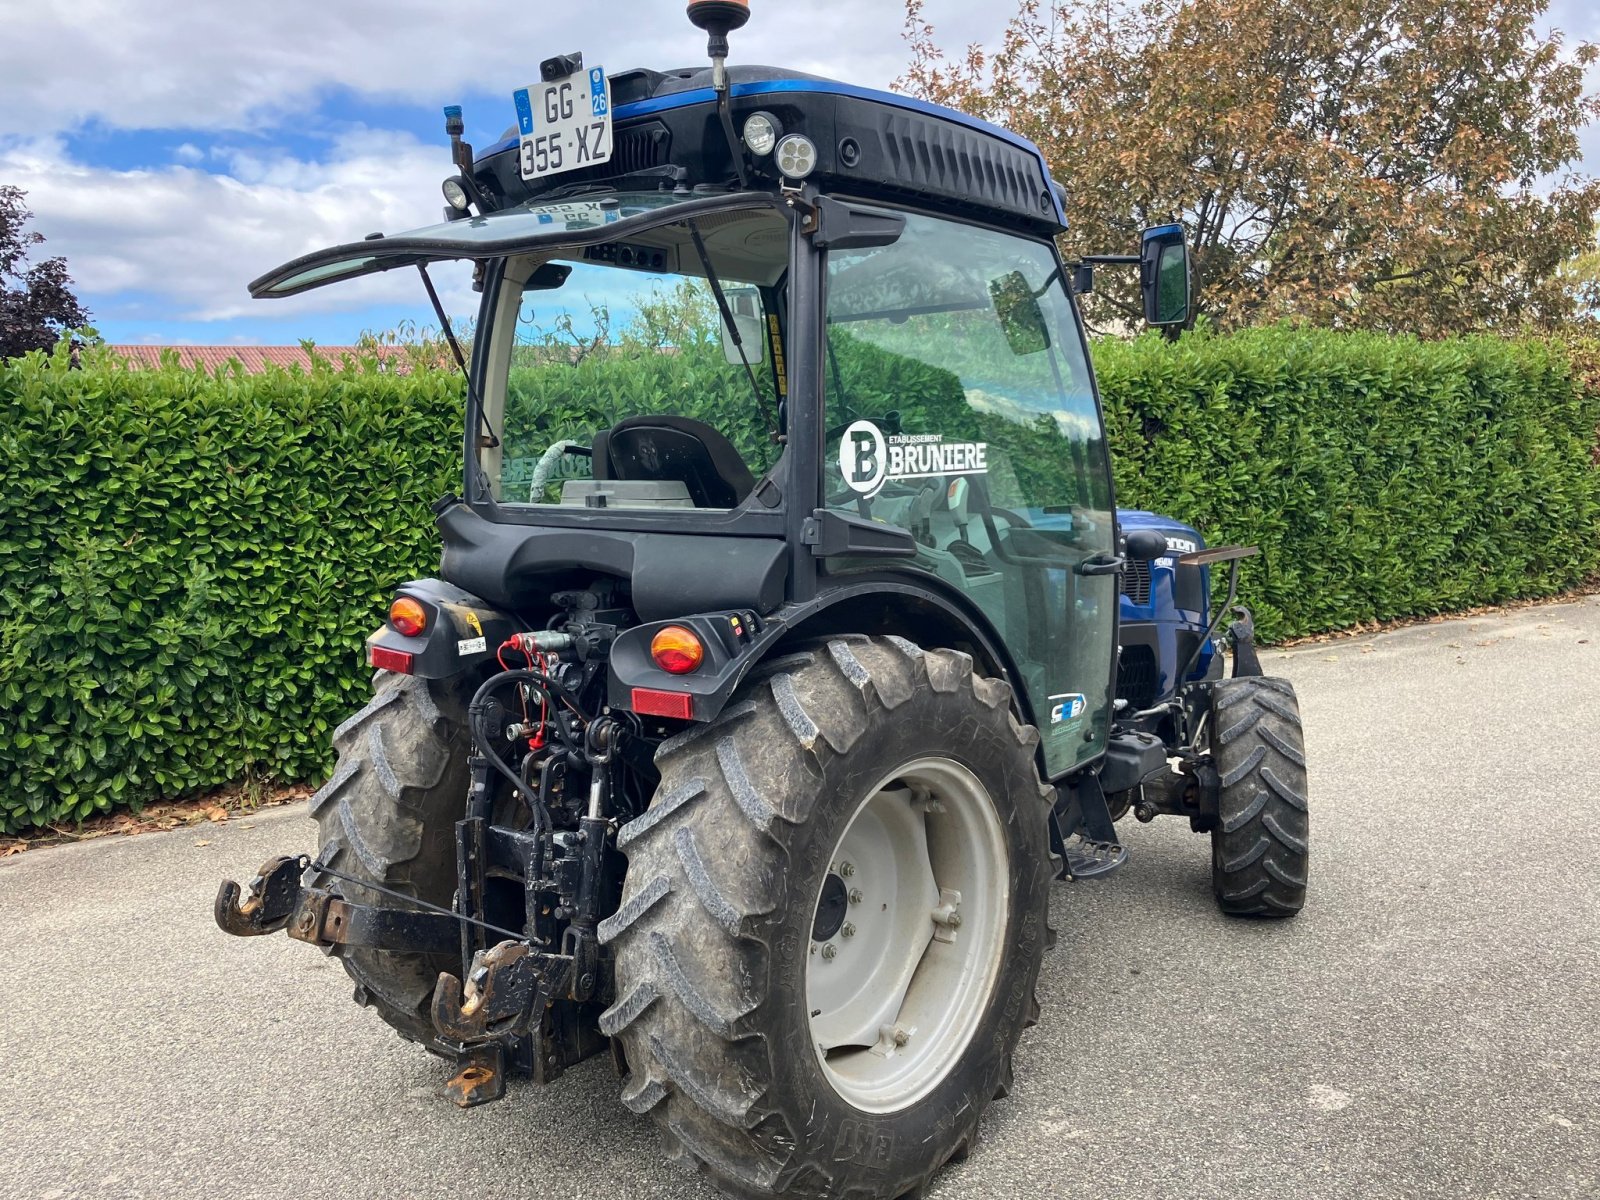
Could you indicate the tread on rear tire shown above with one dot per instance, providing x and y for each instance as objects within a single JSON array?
[
  {"x": 712, "y": 937},
  {"x": 388, "y": 814}
]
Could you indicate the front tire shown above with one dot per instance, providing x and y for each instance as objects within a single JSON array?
[
  {"x": 737, "y": 885},
  {"x": 1260, "y": 847}
]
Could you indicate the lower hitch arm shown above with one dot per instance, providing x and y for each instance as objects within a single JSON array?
[
  {"x": 277, "y": 900},
  {"x": 273, "y": 895}
]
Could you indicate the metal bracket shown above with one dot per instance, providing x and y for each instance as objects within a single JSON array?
[
  {"x": 1246, "y": 662},
  {"x": 947, "y": 917},
  {"x": 480, "y": 1077},
  {"x": 270, "y": 902},
  {"x": 1232, "y": 555},
  {"x": 277, "y": 900},
  {"x": 506, "y": 985}
]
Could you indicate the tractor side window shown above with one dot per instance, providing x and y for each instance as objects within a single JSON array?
[
  {"x": 618, "y": 384},
  {"x": 961, "y": 408}
]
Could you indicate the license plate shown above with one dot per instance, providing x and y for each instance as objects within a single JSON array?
[{"x": 565, "y": 124}]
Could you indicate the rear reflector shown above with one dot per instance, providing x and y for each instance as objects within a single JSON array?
[
  {"x": 663, "y": 704},
  {"x": 386, "y": 659}
]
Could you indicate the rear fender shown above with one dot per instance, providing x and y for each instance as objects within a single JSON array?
[
  {"x": 462, "y": 631},
  {"x": 736, "y": 641}
]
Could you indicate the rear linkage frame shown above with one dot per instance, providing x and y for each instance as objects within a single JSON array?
[{"x": 507, "y": 1013}]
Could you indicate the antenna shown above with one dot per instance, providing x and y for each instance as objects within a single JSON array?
[{"x": 718, "y": 18}]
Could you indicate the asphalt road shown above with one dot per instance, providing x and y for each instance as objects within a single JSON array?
[{"x": 1429, "y": 1027}]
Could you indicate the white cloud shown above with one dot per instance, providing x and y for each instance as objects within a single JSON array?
[
  {"x": 194, "y": 239},
  {"x": 197, "y": 64}
]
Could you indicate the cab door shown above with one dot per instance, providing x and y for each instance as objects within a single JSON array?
[{"x": 961, "y": 407}]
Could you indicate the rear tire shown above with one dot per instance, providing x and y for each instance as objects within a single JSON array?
[
  {"x": 388, "y": 814},
  {"x": 714, "y": 939},
  {"x": 1260, "y": 848}
]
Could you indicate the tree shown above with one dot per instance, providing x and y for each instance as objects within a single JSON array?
[
  {"x": 36, "y": 301},
  {"x": 1582, "y": 274},
  {"x": 1387, "y": 164}
]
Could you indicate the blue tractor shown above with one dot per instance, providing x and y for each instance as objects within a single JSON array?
[{"x": 787, "y": 640}]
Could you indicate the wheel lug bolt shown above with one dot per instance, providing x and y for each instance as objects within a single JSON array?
[
  {"x": 901, "y": 1037},
  {"x": 855, "y": 895},
  {"x": 849, "y": 930},
  {"x": 829, "y": 950},
  {"x": 847, "y": 870},
  {"x": 955, "y": 921}
]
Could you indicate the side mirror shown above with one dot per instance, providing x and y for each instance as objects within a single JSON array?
[
  {"x": 745, "y": 305},
  {"x": 1021, "y": 318},
  {"x": 1144, "y": 545},
  {"x": 1164, "y": 275}
]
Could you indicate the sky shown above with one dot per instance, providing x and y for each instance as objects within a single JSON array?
[{"x": 174, "y": 150}]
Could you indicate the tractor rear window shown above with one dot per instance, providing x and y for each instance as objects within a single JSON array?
[{"x": 616, "y": 381}]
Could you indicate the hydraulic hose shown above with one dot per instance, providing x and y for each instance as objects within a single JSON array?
[{"x": 479, "y": 707}]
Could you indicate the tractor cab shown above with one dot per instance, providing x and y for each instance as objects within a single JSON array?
[{"x": 778, "y": 345}]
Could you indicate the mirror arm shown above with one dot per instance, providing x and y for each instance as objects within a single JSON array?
[{"x": 1083, "y": 269}]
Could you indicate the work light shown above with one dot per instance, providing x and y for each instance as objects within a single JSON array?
[
  {"x": 761, "y": 133},
  {"x": 797, "y": 156},
  {"x": 455, "y": 193}
]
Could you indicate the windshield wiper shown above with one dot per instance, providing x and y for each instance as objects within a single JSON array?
[
  {"x": 732, "y": 328},
  {"x": 476, "y": 401}
]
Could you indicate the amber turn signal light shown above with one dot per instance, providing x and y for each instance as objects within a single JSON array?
[
  {"x": 408, "y": 616},
  {"x": 676, "y": 650}
]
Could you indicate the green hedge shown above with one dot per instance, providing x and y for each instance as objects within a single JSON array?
[
  {"x": 1382, "y": 477},
  {"x": 189, "y": 563}
]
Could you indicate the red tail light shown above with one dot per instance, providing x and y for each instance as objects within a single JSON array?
[{"x": 677, "y": 650}]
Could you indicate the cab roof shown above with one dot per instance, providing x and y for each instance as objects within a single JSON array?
[{"x": 872, "y": 144}]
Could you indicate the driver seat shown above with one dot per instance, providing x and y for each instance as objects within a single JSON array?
[{"x": 675, "y": 448}]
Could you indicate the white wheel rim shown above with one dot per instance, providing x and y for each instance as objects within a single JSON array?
[{"x": 897, "y": 988}]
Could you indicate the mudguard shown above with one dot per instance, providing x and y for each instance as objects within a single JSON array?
[{"x": 462, "y": 630}]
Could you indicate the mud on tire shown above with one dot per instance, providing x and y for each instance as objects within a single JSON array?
[
  {"x": 1261, "y": 844},
  {"x": 388, "y": 814},
  {"x": 712, "y": 937}
]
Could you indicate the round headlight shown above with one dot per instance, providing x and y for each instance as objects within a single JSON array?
[
  {"x": 797, "y": 157},
  {"x": 455, "y": 193},
  {"x": 761, "y": 133}
]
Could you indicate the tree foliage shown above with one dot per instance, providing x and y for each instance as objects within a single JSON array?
[
  {"x": 36, "y": 300},
  {"x": 1582, "y": 274},
  {"x": 1383, "y": 164}
]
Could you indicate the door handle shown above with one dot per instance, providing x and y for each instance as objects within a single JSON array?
[{"x": 1104, "y": 563}]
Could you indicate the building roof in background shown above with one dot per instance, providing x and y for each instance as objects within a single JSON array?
[{"x": 256, "y": 359}]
